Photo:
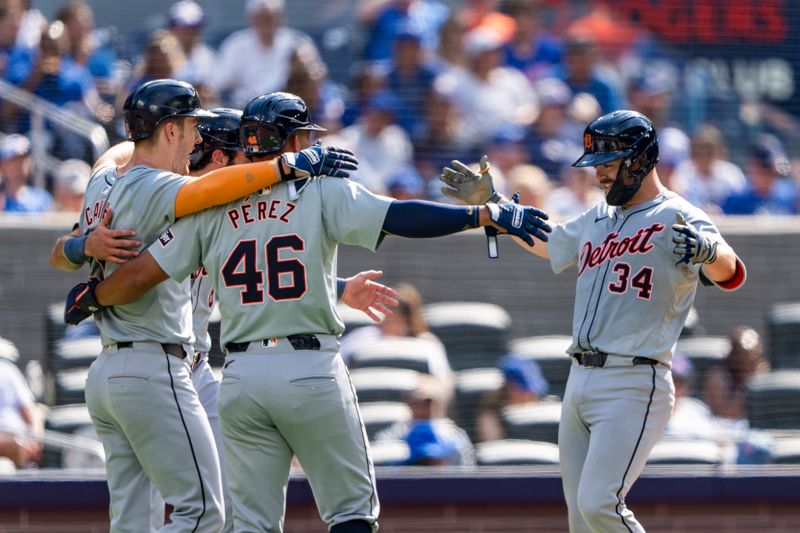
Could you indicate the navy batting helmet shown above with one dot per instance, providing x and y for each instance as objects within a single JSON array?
[
  {"x": 270, "y": 119},
  {"x": 625, "y": 135},
  {"x": 157, "y": 100},
  {"x": 220, "y": 133}
]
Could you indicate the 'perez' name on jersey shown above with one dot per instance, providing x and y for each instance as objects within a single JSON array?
[{"x": 247, "y": 213}]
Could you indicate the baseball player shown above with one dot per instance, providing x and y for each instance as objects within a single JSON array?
[
  {"x": 639, "y": 256},
  {"x": 138, "y": 391},
  {"x": 285, "y": 389}
]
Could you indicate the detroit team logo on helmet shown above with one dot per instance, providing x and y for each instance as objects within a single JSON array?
[
  {"x": 268, "y": 121},
  {"x": 621, "y": 135}
]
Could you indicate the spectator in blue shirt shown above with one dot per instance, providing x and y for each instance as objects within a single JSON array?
[
  {"x": 10, "y": 18},
  {"x": 16, "y": 196},
  {"x": 384, "y": 20},
  {"x": 769, "y": 190},
  {"x": 584, "y": 75},
  {"x": 410, "y": 79},
  {"x": 531, "y": 50}
]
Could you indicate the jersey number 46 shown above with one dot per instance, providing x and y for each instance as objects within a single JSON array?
[{"x": 241, "y": 270}]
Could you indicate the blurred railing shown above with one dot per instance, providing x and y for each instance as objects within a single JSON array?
[{"x": 40, "y": 109}]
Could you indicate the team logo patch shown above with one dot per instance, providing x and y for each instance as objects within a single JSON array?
[
  {"x": 587, "y": 141},
  {"x": 166, "y": 237},
  {"x": 269, "y": 343}
]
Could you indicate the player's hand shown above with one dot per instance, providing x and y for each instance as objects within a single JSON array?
[
  {"x": 317, "y": 161},
  {"x": 81, "y": 302},
  {"x": 690, "y": 244},
  {"x": 363, "y": 293},
  {"x": 520, "y": 221},
  {"x": 112, "y": 245},
  {"x": 468, "y": 186}
]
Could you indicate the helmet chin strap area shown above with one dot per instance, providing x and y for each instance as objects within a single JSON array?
[{"x": 620, "y": 192}]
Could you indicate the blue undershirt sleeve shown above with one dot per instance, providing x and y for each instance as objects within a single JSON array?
[{"x": 422, "y": 219}]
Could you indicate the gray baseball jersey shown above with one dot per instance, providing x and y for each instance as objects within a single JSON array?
[
  {"x": 630, "y": 297},
  {"x": 631, "y": 302},
  {"x": 273, "y": 259},
  {"x": 139, "y": 397},
  {"x": 143, "y": 199},
  {"x": 202, "y": 306}
]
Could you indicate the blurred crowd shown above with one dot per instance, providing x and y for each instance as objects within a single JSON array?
[{"x": 433, "y": 82}]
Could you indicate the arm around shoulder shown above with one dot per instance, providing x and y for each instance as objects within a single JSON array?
[{"x": 58, "y": 258}]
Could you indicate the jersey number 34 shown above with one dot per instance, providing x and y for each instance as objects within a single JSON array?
[{"x": 286, "y": 279}]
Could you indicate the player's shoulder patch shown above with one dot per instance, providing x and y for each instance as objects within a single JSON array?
[{"x": 166, "y": 237}]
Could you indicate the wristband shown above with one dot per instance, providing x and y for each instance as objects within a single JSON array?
[
  {"x": 74, "y": 250},
  {"x": 340, "y": 285}
]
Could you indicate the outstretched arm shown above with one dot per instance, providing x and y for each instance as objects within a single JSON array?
[
  {"x": 227, "y": 184},
  {"x": 719, "y": 263},
  {"x": 470, "y": 187}
]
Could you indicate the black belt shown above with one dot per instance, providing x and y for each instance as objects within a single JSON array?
[
  {"x": 301, "y": 341},
  {"x": 595, "y": 358},
  {"x": 171, "y": 349}
]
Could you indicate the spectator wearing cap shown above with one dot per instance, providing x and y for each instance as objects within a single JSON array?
[
  {"x": 552, "y": 141},
  {"x": 651, "y": 94},
  {"x": 20, "y": 420},
  {"x": 366, "y": 79},
  {"x": 186, "y": 21},
  {"x": 523, "y": 383},
  {"x": 488, "y": 96},
  {"x": 69, "y": 185},
  {"x": 707, "y": 178},
  {"x": 579, "y": 191},
  {"x": 583, "y": 74},
  {"x": 380, "y": 144},
  {"x": 506, "y": 149},
  {"x": 257, "y": 59},
  {"x": 531, "y": 50},
  {"x": 410, "y": 78},
  {"x": 385, "y": 19},
  {"x": 769, "y": 190},
  {"x": 484, "y": 15},
  {"x": 308, "y": 79},
  {"x": 162, "y": 58},
  {"x": 16, "y": 195},
  {"x": 90, "y": 47},
  {"x": 432, "y": 438}
]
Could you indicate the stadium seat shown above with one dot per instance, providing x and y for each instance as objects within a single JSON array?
[
  {"x": 383, "y": 384},
  {"x": 550, "y": 351},
  {"x": 692, "y": 327},
  {"x": 786, "y": 451},
  {"x": 67, "y": 418},
  {"x": 475, "y": 335},
  {"x": 783, "y": 332},
  {"x": 773, "y": 400},
  {"x": 69, "y": 386},
  {"x": 516, "y": 452},
  {"x": 536, "y": 421},
  {"x": 388, "y": 452},
  {"x": 76, "y": 353},
  {"x": 398, "y": 352},
  {"x": 471, "y": 386},
  {"x": 686, "y": 452},
  {"x": 704, "y": 351},
  {"x": 378, "y": 416}
]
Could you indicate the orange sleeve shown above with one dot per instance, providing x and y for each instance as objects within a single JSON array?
[{"x": 225, "y": 185}]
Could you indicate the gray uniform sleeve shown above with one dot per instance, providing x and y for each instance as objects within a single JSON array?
[
  {"x": 351, "y": 213},
  {"x": 564, "y": 241},
  {"x": 177, "y": 251},
  {"x": 162, "y": 189}
]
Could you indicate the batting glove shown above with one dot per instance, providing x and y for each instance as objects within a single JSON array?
[
  {"x": 468, "y": 186},
  {"x": 691, "y": 245},
  {"x": 520, "y": 221},
  {"x": 81, "y": 302},
  {"x": 317, "y": 161}
]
